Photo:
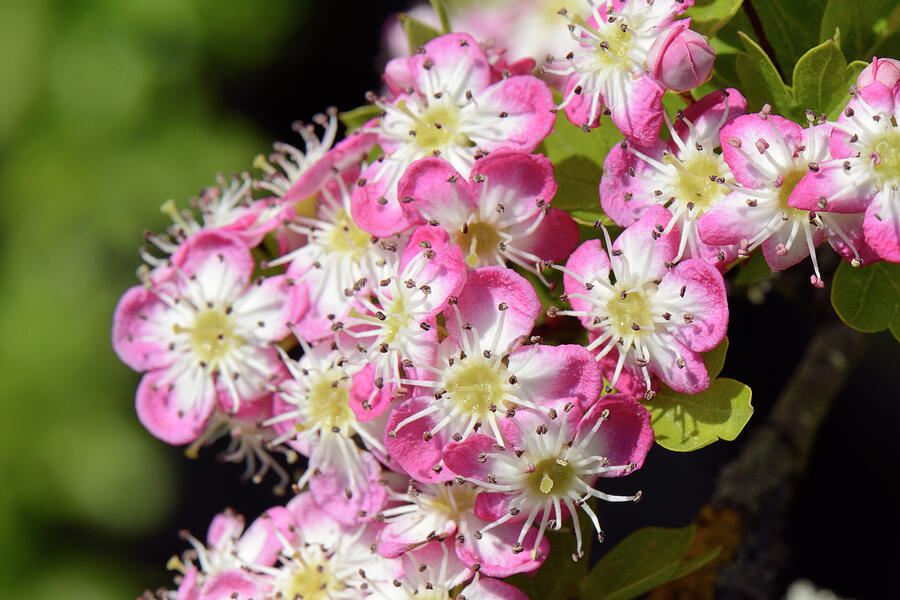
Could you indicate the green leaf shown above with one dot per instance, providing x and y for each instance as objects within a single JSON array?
[
  {"x": 790, "y": 26},
  {"x": 715, "y": 359},
  {"x": 358, "y": 116},
  {"x": 685, "y": 422},
  {"x": 868, "y": 27},
  {"x": 868, "y": 298},
  {"x": 820, "y": 78},
  {"x": 753, "y": 270},
  {"x": 644, "y": 560},
  {"x": 441, "y": 9},
  {"x": 417, "y": 32},
  {"x": 760, "y": 80},
  {"x": 578, "y": 163},
  {"x": 710, "y": 15}
]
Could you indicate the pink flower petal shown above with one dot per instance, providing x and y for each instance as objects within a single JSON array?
[
  {"x": 647, "y": 248},
  {"x": 704, "y": 299},
  {"x": 409, "y": 449},
  {"x": 177, "y": 414},
  {"x": 527, "y": 102},
  {"x": 625, "y": 438},
  {"x": 478, "y": 302},
  {"x": 551, "y": 376},
  {"x": 485, "y": 588},
  {"x": 882, "y": 225},
  {"x": 135, "y": 338},
  {"x": 707, "y": 113},
  {"x": 233, "y": 584},
  {"x": 625, "y": 198},
  {"x": 554, "y": 239},
  {"x": 753, "y": 133}
]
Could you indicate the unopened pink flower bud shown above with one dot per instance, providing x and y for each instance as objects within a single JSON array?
[
  {"x": 883, "y": 70},
  {"x": 681, "y": 59}
]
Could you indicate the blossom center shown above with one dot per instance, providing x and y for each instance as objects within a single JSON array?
[
  {"x": 475, "y": 386},
  {"x": 693, "y": 184},
  {"x": 329, "y": 402},
  {"x": 212, "y": 335},
  {"x": 346, "y": 237},
  {"x": 885, "y": 156},
  {"x": 481, "y": 240},
  {"x": 450, "y": 500},
  {"x": 615, "y": 43},
  {"x": 312, "y": 579},
  {"x": 438, "y": 127},
  {"x": 791, "y": 180},
  {"x": 551, "y": 477},
  {"x": 630, "y": 312}
]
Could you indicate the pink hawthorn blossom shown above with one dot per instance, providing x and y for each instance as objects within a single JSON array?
[
  {"x": 315, "y": 413},
  {"x": 445, "y": 104},
  {"x": 432, "y": 571},
  {"x": 682, "y": 59},
  {"x": 659, "y": 319},
  {"x": 864, "y": 174},
  {"x": 769, "y": 156},
  {"x": 606, "y": 68},
  {"x": 484, "y": 375},
  {"x": 552, "y": 477},
  {"x": 502, "y": 213},
  {"x": 686, "y": 175},
  {"x": 202, "y": 330},
  {"x": 223, "y": 563},
  {"x": 426, "y": 512},
  {"x": 398, "y": 323}
]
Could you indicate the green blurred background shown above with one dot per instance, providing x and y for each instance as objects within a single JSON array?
[{"x": 107, "y": 109}]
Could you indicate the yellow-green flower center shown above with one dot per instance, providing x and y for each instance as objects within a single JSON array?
[
  {"x": 329, "y": 401},
  {"x": 475, "y": 384},
  {"x": 313, "y": 580},
  {"x": 480, "y": 240},
  {"x": 212, "y": 335},
  {"x": 784, "y": 194},
  {"x": 887, "y": 148},
  {"x": 551, "y": 477},
  {"x": 437, "y": 127},
  {"x": 346, "y": 237},
  {"x": 693, "y": 181},
  {"x": 631, "y": 314}
]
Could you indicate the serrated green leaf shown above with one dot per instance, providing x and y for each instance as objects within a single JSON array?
[
  {"x": 643, "y": 561},
  {"x": 358, "y": 116},
  {"x": 417, "y": 32},
  {"x": 760, "y": 80},
  {"x": 684, "y": 422},
  {"x": 820, "y": 79},
  {"x": 578, "y": 162},
  {"x": 868, "y": 27},
  {"x": 868, "y": 298},
  {"x": 710, "y": 15}
]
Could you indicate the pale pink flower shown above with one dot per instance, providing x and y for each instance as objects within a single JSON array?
[
  {"x": 426, "y": 512},
  {"x": 552, "y": 476},
  {"x": 484, "y": 374},
  {"x": 686, "y": 175},
  {"x": 202, "y": 329},
  {"x": 446, "y": 105},
  {"x": 659, "y": 319}
]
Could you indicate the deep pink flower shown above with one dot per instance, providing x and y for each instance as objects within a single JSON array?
[
  {"x": 864, "y": 175},
  {"x": 446, "y": 105},
  {"x": 769, "y": 156},
  {"x": 553, "y": 474},
  {"x": 607, "y": 69},
  {"x": 682, "y": 59},
  {"x": 659, "y": 319},
  {"x": 502, "y": 213},
  {"x": 484, "y": 374},
  {"x": 686, "y": 175}
]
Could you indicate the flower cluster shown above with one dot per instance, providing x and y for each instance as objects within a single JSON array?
[{"x": 364, "y": 304}]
